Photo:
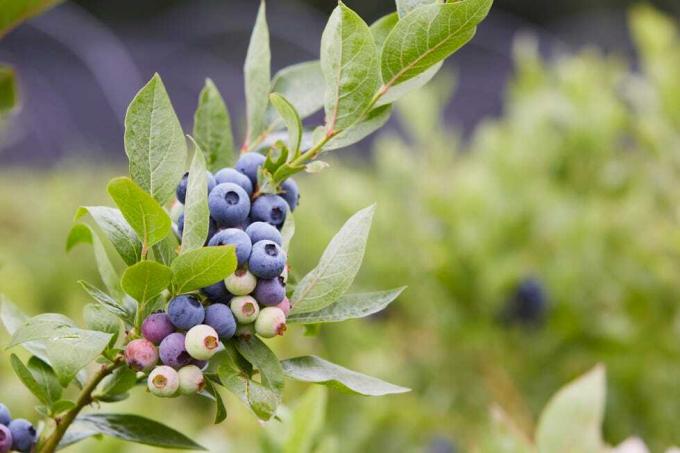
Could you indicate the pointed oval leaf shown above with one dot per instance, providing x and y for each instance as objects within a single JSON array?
[
  {"x": 262, "y": 358},
  {"x": 221, "y": 411},
  {"x": 398, "y": 91},
  {"x": 29, "y": 381},
  {"x": 119, "y": 232},
  {"x": 196, "y": 213},
  {"x": 107, "y": 301},
  {"x": 154, "y": 142},
  {"x": 375, "y": 119},
  {"x": 314, "y": 369},
  {"x": 82, "y": 233},
  {"x": 428, "y": 35},
  {"x": 212, "y": 128},
  {"x": 73, "y": 349},
  {"x": 382, "y": 27},
  {"x": 291, "y": 118},
  {"x": 406, "y": 6},
  {"x": 337, "y": 267},
  {"x": 303, "y": 86},
  {"x": 203, "y": 267},
  {"x": 46, "y": 379},
  {"x": 349, "y": 61},
  {"x": 144, "y": 214},
  {"x": 145, "y": 280},
  {"x": 13, "y": 319},
  {"x": 257, "y": 73}
]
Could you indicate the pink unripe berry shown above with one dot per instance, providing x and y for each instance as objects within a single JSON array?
[
  {"x": 271, "y": 322},
  {"x": 191, "y": 380},
  {"x": 141, "y": 354},
  {"x": 284, "y": 305},
  {"x": 241, "y": 283},
  {"x": 163, "y": 381},
  {"x": 202, "y": 342},
  {"x": 245, "y": 309}
]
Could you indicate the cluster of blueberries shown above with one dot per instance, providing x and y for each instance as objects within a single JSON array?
[
  {"x": 17, "y": 434},
  {"x": 250, "y": 301}
]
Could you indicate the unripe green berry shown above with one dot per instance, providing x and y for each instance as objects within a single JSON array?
[
  {"x": 245, "y": 309},
  {"x": 163, "y": 381},
  {"x": 191, "y": 380},
  {"x": 270, "y": 322},
  {"x": 202, "y": 342},
  {"x": 245, "y": 331},
  {"x": 241, "y": 282}
]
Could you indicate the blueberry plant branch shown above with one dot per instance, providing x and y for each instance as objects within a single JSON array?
[{"x": 206, "y": 248}]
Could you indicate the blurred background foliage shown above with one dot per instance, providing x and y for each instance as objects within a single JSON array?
[{"x": 574, "y": 186}]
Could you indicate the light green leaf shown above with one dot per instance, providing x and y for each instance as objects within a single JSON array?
[
  {"x": 203, "y": 267},
  {"x": 154, "y": 142},
  {"x": 41, "y": 327},
  {"x": 337, "y": 267},
  {"x": 221, "y": 411},
  {"x": 14, "y": 12},
  {"x": 303, "y": 86},
  {"x": 46, "y": 379},
  {"x": 349, "y": 61},
  {"x": 349, "y": 306},
  {"x": 375, "y": 119},
  {"x": 503, "y": 436},
  {"x": 145, "y": 280},
  {"x": 167, "y": 250},
  {"x": 262, "y": 400},
  {"x": 196, "y": 213},
  {"x": 572, "y": 420},
  {"x": 144, "y": 214},
  {"x": 314, "y": 369},
  {"x": 117, "y": 383},
  {"x": 119, "y": 232},
  {"x": 307, "y": 421},
  {"x": 288, "y": 231},
  {"x": 82, "y": 233},
  {"x": 291, "y": 118},
  {"x": 212, "y": 128},
  {"x": 8, "y": 89},
  {"x": 406, "y": 6},
  {"x": 97, "y": 317},
  {"x": 134, "y": 428},
  {"x": 263, "y": 359},
  {"x": 257, "y": 73},
  {"x": 396, "y": 92},
  {"x": 107, "y": 302},
  {"x": 13, "y": 319},
  {"x": 29, "y": 381},
  {"x": 428, "y": 35},
  {"x": 382, "y": 27}
]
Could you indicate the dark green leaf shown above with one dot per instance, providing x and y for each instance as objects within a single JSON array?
[
  {"x": 221, "y": 411},
  {"x": 75, "y": 434},
  {"x": 119, "y": 232},
  {"x": 261, "y": 399},
  {"x": 144, "y": 214},
  {"x": 290, "y": 116},
  {"x": 263, "y": 359},
  {"x": 196, "y": 213},
  {"x": 134, "y": 428},
  {"x": 212, "y": 128},
  {"x": 146, "y": 280},
  {"x": 46, "y": 379},
  {"x": 8, "y": 89},
  {"x": 62, "y": 406},
  {"x": 98, "y": 317},
  {"x": 27, "y": 378},
  {"x": 154, "y": 143},
  {"x": 314, "y": 369},
  {"x": 117, "y": 383},
  {"x": 107, "y": 302},
  {"x": 349, "y": 306},
  {"x": 203, "y": 267},
  {"x": 257, "y": 74}
]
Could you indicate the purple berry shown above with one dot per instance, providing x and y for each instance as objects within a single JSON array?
[
  {"x": 5, "y": 416},
  {"x": 157, "y": 326},
  {"x": 163, "y": 381},
  {"x": 262, "y": 231},
  {"x": 269, "y": 208},
  {"x": 290, "y": 193},
  {"x": 183, "y": 185},
  {"x": 5, "y": 439},
  {"x": 185, "y": 312},
  {"x": 270, "y": 292},
  {"x": 236, "y": 237},
  {"x": 23, "y": 435},
  {"x": 173, "y": 352},
  {"x": 236, "y": 177},
  {"x": 217, "y": 293},
  {"x": 220, "y": 318},
  {"x": 141, "y": 354},
  {"x": 248, "y": 164},
  {"x": 267, "y": 260},
  {"x": 229, "y": 204},
  {"x": 270, "y": 322}
]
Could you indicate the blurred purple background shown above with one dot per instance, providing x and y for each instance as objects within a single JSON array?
[{"x": 82, "y": 62}]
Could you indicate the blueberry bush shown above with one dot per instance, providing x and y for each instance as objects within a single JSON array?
[{"x": 205, "y": 273}]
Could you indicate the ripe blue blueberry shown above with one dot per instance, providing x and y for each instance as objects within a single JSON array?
[
  {"x": 180, "y": 225},
  {"x": 229, "y": 204},
  {"x": 191, "y": 380},
  {"x": 245, "y": 309},
  {"x": 5, "y": 439},
  {"x": 5, "y": 416},
  {"x": 173, "y": 352},
  {"x": 263, "y": 231},
  {"x": 269, "y": 208},
  {"x": 234, "y": 176},
  {"x": 182, "y": 187},
  {"x": 202, "y": 342},
  {"x": 270, "y": 322},
  {"x": 141, "y": 354},
  {"x": 217, "y": 293},
  {"x": 290, "y": 193},
  {"x": 270, "y": 291},
  {"x": 23, "y": 435},
  {"x": 248, "y": 164},
  {"x": 220, "y": 318},
  {"x": 185, "y": 312},
  {"x": 528, "y": 304},
  {"x": 163, "y": 381},
  {"x": 267, "y": 260},
  {"x": 240, "y": 283},
  {"x": 234, "y": 236},
  {"x": 157, "y": 326}
]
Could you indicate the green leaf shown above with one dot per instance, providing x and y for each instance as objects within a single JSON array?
[
  {"x": 572, "y": 419},
  {"x": 154, "y": 142},
  {"x": 349, "y": 306},
  {"x": 396, "y": 92},
  {"x": 375, "y": 119},
  {"x": 263, "y": 359},
  {"x": 314, "y": 369},
  {"x": 196, "y": 213},
  {"x": 14, "y": 12},
  {"x": 257, "y": 73},
  {"x": 108, "y": 302},
  {"x": 62, "y": 406},
  {"x": 97, "y": 317},
  {"x": 203, "y": 267},
  {"x": 146, "y": 280},
  {"x": 119, "y": 382},
  {"x": 41, "y": 327},
  {"x": 337, "y": 267},
  {"x": 221, "y": 411},
  {"x": 82, "y": 233},
  {"x": 288, "y": 231},
  {"x": 167, "y": 250},
  {"x": 307, "y": 421},
  {"x": 13, "y": 319},
  {"x": 143, "y": 213},
  {"x": 8, "y": 89},
  {"x": 382, "y": 27},
  {"x": 406, "y": 6},
  {"x": 427, "y": 36},
  {"x": 29, "y": 381},
  {"x": 212, "y": 128},
  {"x": 262, "y": 400},
  {"x": 291, "y": 118},
  {"x": 504, "y": 436},
  {"x": 46, "y": 379},
  {"x": 303, "y": 86},
  {"x": 119, "y": 232},
  {"x": 134, "y": 428},
  {"x": 349, "y": 61},
  {"x": 76, "y": 434}
]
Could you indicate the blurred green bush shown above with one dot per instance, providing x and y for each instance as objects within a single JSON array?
[{"x": 576, "y": 184}]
